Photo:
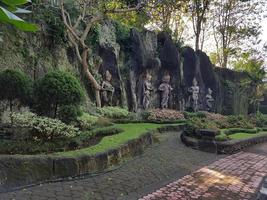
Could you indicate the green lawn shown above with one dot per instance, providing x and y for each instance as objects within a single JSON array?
[
  {"x": 130, "y": 131},
  {"x": 238, "y": 136}
]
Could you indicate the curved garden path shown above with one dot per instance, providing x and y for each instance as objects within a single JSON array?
[{"x": 161, "y": 164}]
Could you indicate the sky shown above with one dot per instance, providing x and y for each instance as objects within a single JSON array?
[{"x": 264, "y": 27}]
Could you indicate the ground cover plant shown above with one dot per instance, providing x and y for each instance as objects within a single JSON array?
[{"x": 230, "y": 127}]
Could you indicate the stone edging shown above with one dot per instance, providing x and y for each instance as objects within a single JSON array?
[
  {"x": 17, "y": 170},
  {"x": 221, "y": 147}
]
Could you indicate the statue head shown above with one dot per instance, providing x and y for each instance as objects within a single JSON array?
[
  {"x": 166, "y": 78},
  {"x": 195, "y": 83},
  {"x": 108, "y": 76},
  {"x": 209, "y": 91},
  {"x": 148, "y": 77}
]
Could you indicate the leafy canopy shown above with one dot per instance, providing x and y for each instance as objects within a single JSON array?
[{"x": 251, "y": 65}]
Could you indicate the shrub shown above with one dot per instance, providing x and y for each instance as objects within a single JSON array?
[
  {"x": 102, "y": 122},
  {"x": 69, "y": 113},
  {"x": 231, "y": 131},
  {"x": 113, "y": 112},
  {"x": 165, "y": 115},
  {"x": 15, "y": 85},
  {"x": 44, "y": 128},
  {"x": 86, "y": 121},
  {"x": 57, "y": 89},
  {"x": 259, "y": 120},
  {"x": 189, "y": 115},
  {"x": 239, "y": 121},
  {"x": 221, "y": 137}
]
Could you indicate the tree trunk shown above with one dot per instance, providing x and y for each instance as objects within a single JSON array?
[
  {"x": 225, "y": 59},
  {"x": 197, "y": 42},
  {"x": 11, "y": 111},
  {"x": 55, "y": 112},
  {"x": 91, "y": 78}
]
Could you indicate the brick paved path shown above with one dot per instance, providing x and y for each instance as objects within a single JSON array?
[
  {"x": 161, "y": 164},
  {"x": 235, "y": 177}
]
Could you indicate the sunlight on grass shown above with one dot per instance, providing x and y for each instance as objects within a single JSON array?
[{"x": 238, "y": 136}]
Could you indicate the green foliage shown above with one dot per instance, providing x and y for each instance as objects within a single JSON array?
[
  {"x": 103, "y": 121},
  {"x": 7, "y": 16},
  {"x": 122, "y": 33},
  {"x": 28, "y": 147},
  {"x": 86, "y": 121},
  {"x": 55, "y": 27},
  {"x": 98, "y": 133},
  {"x": 43, "y": 128},
  {"x": 69, "y": 113},
  {"x": 57, "y": 89},
  {"x": 253, "y": 66},
  {"x": 221, "y": 137},
  {"x": 259, "y": 119},
  {"x": 15, "y": 85},
  {"x": 130, "y": 19},
  {"x": 263, "y": 109},
  {"x": 93, "y": 38},
  {"x": 189, "y": 115},
  {"x": 239, "y": 121},
  {"x": 113, "y": 112}
]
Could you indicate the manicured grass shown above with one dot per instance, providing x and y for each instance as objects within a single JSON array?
[
  {"x": 130, "y": 131},
  {"x": 238, "y": 136}
]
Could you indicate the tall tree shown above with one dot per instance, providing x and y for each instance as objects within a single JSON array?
[
  {"x": 166, "y": 15},
  {"x": 234, "y": 21},
  {"x": 199, "y": 11},
  {"x": 78, "y": 28}
]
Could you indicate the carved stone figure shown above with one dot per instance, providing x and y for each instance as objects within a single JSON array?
[
  {"x": 147, "y": 89},
  {"x": 193, "y": 98},
  {"x": 107, "y": 90},
  {"x": 165, "y": 89},
  {"x": 209, "y": 100}
]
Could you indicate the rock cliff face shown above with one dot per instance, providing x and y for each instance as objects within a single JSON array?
[
  {"x": 141, "y": 53},
  {"x": 158, "y": 55}
]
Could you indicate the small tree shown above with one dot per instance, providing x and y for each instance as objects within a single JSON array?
[
  {"x": 15, "y": 86},
  {"x": 57, "y": 89},
  {"x": 80, "y": 27}
]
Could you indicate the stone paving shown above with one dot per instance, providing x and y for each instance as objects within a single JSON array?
[
  {"x": 181, "y": 173},
  {"x": 235, "y": 177}
]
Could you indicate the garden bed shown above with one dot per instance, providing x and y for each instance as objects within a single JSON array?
[
  {"x": 227, "y": 141},
  {"x": 21, "y": 170}
]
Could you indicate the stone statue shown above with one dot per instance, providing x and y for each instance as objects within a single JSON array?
[
  {"x": 107, "y": 90},
  {"x": 147, "y": 89},
  {"x": 165, "y": 89},
  {"x": 193, "y": 98},
  {"x": 209, "y": 100}
]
